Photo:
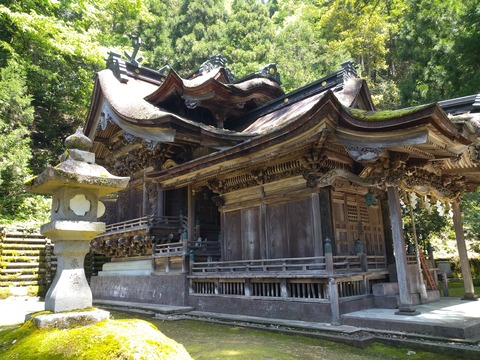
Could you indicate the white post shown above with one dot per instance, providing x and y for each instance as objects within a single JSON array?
[
  {"x": 406, "y": 305},
  {"x": 462, "y": 252},
  {"x": 421, "y": 286}
]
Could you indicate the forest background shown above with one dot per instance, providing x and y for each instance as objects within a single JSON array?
[{"x": 410, "y": 52}]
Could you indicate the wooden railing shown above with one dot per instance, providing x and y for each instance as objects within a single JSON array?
[
  {"x": 319, "y": 264},
  {"x": 376, "y": 262},
  {"x": 146, "y": 221},
  {"x": 170, "y": 249},
  {"x": 411, "y": 259},
  {"x": 129, "y": 224}
]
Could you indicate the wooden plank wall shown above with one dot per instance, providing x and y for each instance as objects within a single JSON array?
[{"x": 269, "y": 231}]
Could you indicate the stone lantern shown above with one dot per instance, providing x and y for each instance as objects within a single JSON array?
[{"x": 75, "y": 184}]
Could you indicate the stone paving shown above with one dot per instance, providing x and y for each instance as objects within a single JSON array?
[
  {"x": 447, "y": 318},
  {"x": 14, "y": 309}
]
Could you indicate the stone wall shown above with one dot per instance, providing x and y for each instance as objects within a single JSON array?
[
  {"x": 165, "y": 289},
  {"x": 315, "y": 311}
]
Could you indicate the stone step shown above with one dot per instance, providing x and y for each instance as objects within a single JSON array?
[{"x": 157, "y": 308}]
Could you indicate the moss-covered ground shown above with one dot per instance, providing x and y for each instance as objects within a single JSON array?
[
  {"x": 204, "y": 340},
  {"x": 132, "y": 335},
  {"x": 456, "y": 288},
  {"x": 125, "y": 339}
]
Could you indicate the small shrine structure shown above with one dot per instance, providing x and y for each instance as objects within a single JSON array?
[{"x": 247, "y": 200}]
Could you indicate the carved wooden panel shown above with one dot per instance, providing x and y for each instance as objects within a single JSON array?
[
  {"x": 326, "y": 214},
  {"x": 137, "y": 203},
  {"x": 354, "y": 220},
  {"x": 340, "y": 225},
  {"x": 374, "y": 237},
  {"x": 122, "y": 205}
]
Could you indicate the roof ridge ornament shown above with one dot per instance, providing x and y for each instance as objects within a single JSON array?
[
  {"x": 215, "y": 62},
  {"x": 348, "y": 70},
  {"x": 270, "y": 71},
  {"x": 137, "y": 42},
  {"x": 118, "y": 66}
]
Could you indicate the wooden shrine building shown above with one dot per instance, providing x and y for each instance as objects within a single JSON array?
[{"x": 247, "y": 200}]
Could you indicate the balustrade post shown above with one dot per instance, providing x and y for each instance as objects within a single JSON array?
[
  {"x": 248, "y": 287},
  {"x": 334, "y": 305},
  {"x": 191, "y": 259},
  {"x": 167, "y": 264},
  {"x": 328, "y": 256},
  {"x": 364, "y": 261},
  {"x": 283, "y": 288}
]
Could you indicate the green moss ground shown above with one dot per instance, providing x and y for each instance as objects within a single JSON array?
[
  {"x": 456, "y": 289},
  {"x": 205, "y": 340},
  {"x": 114, "y": 339},
  {"x": 136, "y": 337}
]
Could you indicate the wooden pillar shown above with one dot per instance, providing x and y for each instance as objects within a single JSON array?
[
  {"x": 144, "y": 194},
  {"x": 160, "y": 201},
  {"x": 406, "y": 305},
  {"x": 316, "y": 225},
  {"x": 462, "y": 252},
  {"x": 191, "y": 213}
]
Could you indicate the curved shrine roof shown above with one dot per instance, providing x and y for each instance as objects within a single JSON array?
[{"x": 278, "y": 122}]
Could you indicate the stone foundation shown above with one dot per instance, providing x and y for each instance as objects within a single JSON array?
[
  {"x": 127, "y": 268},
  {"x": 165, "y": 289},
  {"x": 275, "y": 309}
]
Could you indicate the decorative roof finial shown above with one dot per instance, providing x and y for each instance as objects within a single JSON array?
[
  {"x": 270, "y": 71},
  {"x": 137, "y": 42}
]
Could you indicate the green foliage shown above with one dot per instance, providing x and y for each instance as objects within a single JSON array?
[
  {"x": 296, "y": 47},
  {"x": 16, "y": 114},
  {"x": 248, "y": 37},
  {"x": 59, "y": 63},
  {"x": 424, "y": 51},
  {"x": 471, "y": 219},
  {"x": 428, "y": 224},
  {"x": 410, "y": 52},
  {"x": 197, "y": 34},
  {"x": 112, "y": 339}
]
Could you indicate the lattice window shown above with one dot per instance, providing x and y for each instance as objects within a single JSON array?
[
  {"x": 354, "y": 220},
  {"x": 204, "y": 287},
  {"x": 307, "y": 290},
  {"x": 268, "y": 289},
  {"x": 352, "y": 212},
  {"x": 231, "y": 288},
  {"x": 351, "y": 288}
]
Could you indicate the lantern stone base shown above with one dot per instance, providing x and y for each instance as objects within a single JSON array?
[
  {"x": 71, "y": 320},
  {"x": 69, "y": 290}
]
